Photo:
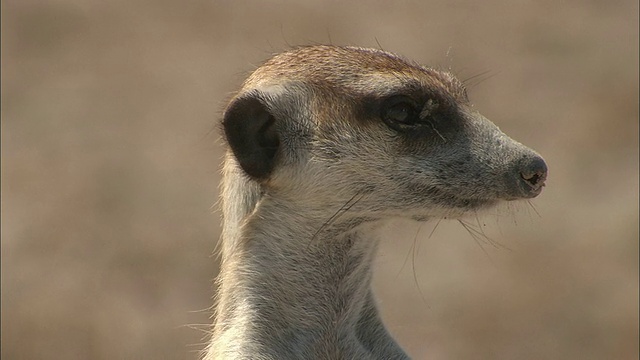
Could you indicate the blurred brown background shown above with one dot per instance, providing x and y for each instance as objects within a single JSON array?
[{"x": 110, "y": 159}]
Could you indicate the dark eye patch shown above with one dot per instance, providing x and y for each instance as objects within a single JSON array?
[{"x": 413, "y": 110}]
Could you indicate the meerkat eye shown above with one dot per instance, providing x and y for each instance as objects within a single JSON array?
[{"x": 399, "y": 111}]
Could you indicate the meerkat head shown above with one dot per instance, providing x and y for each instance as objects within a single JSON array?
[{"x": 323, "y": 125}]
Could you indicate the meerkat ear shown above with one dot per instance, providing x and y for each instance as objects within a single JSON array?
[{"x": 250, "y": 130}]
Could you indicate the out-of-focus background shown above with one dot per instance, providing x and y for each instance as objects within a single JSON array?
[{"x": 111, "y": 156}]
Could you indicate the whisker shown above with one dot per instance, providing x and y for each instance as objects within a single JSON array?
[
  {"x": 413, "y": 266},
  {"x": 482, "y": 73},
  {"x": 476, "y": 239},
  {"x": 378, "y": 42},
  {"x": 343, "y": 209},
  {"x": 406, "y": 258},
  {"x": 534, "y": 208},
  {"x": 494, "y": 243},
  {"x": 479, "y": 78},
  {"x": 434, "y": 228}
]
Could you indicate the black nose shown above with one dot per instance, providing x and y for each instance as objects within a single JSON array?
[{"x": 533, "y": 173}]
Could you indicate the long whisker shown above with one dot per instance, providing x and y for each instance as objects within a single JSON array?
[
  {"x": 434, "y": 228},
  {"x": 343, "y": 209},
  {"x": 413, "y": 266},
  {"x": 483, "y": 235},
  {"x": 482, "y": 73},
  {"x": 478, "y": 78},
  {"x": 406, "y": 258},
  {"x": 534, "y": 208},
  {"x": 476, "y": 238}
]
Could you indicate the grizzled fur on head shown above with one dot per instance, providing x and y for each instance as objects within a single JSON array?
[
  {"x": 325, "y": 143},
  {"x": 327, "y": 131}
]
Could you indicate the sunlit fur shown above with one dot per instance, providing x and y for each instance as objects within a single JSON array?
[{"x": 298, "y": 242}]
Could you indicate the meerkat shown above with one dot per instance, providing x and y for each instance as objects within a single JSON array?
[{"x": 325, "y": 144}]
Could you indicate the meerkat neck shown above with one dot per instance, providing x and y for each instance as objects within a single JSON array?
[{"x": 282, "y": 282}]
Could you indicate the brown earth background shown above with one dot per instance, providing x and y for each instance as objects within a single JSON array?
[{"x": 111, "y": 156}]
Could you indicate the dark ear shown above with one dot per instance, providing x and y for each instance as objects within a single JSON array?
[{"x": 250, "y": 131}]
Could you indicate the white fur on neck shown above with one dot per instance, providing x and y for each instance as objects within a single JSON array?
[{"x": 289, "y": 289}]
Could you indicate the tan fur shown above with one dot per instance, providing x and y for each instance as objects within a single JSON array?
[{"x": 299, "y": 234}]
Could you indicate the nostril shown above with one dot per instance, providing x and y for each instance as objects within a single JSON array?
[
  {"x": 534, "y": 173},
  {"x": 532, "y": 179}
]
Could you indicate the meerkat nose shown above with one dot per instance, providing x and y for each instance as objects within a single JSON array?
[{"x": 533, "y": 173}]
